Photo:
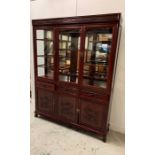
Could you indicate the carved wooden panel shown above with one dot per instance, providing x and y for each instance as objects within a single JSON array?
[
  {"x": 66, "y": 106},
  {"x": 92, "y": 114},
  {"x": 45, "y": 100}
]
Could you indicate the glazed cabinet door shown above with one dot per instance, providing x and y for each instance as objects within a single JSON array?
[
  {"x": 68, "y": 49},
  {"x": 65, "y": 107},
  {"x": 68, "y": 60},
  {"x": 44, "y": 101},
  {"x": 44, "y": 49},
  {"x": 93, "y": 114},
  {"x": 98, "y": 45}
]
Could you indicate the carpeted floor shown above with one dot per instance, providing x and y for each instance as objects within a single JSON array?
[{"x": 48, "y": 138}]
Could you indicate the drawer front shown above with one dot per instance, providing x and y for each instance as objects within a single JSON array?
[
  {"x": 68, "y": 90},
  {"x": 45, "y": 86},
  {"x": 94, "y": 96}
]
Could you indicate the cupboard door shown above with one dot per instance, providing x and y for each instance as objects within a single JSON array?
[
  {"x": 92, "y": 114},
  {"x": 65, "y": 107},
  {"x": 44, "y": 100},
  {"x": 45, "y": 54},
  {"x": 69, "y": 49},
  {"x": 98, "y": 43}
]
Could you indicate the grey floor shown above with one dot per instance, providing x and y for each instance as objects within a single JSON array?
[{"x": 48, "y": 138}]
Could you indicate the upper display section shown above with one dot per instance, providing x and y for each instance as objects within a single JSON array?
[{"x": 77, "y": 51}]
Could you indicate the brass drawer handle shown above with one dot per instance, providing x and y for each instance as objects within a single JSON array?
[{"x": 91, "y": 94}]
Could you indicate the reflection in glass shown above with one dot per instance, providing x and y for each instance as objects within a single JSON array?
[
  {"x": 45, "y": 55},
  {"x": 97, "y": 49},
  {"x": 69, "y": 45}
]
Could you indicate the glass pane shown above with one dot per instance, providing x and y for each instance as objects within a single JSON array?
[
  {"x": 45, "y": 55},
  {"x": 97, "y": 49},
  {"x": 69, "y": 45},
  {"x": 40, "y": 47},
  {"x": 44, "y": 34}
]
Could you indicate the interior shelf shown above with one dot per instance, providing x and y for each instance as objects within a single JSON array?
[
  {"x": 51, "y": 55},
  {"x": 94, "y": 78},
  {"x": 45, "y": 66},
  {"x": 45, "y": 39},
  {"x": 64, "y": 41},
  {"x": 98, "y": 41},
  {"x": 104, "y": 63},
  {"x": 63, "y": 49},
  {"x": 89, "y": 50}
]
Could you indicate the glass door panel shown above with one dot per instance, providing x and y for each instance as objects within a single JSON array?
[
  {"x": 97, "y": 50},
  {"x": 45, "y": 54},
  {"x": 69, "y": 47}
]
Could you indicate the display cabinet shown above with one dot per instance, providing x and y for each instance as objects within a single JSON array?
[{"x": 75, "y": 61}]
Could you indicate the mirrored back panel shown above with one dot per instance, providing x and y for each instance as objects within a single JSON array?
[{"x": 69, "y": 48}]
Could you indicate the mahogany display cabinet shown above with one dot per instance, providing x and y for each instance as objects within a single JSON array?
[{"x": 75, "y": 61}]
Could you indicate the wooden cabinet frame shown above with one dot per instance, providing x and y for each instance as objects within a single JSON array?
[{"x": 75, "y": 103}]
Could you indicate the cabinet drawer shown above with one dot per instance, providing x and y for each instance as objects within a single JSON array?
[
  {"x": 46, "y": 86},
  {"x": 95, "y": 100},
  {"x": 94, "y": 96},
  {"x": 69, "y": 90}
]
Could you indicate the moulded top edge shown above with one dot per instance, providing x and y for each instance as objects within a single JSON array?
[{"x": 112, "y": 17}]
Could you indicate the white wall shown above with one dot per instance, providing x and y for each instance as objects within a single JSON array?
[{"x": 65, "y": 8}]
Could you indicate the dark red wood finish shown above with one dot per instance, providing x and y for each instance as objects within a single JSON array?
[{"x": 81, "y": 106}]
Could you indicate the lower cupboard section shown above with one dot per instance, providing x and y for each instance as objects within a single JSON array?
[{"x": 83, "y": 113}]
